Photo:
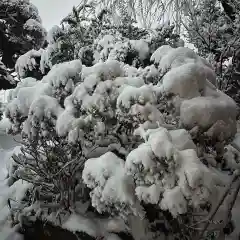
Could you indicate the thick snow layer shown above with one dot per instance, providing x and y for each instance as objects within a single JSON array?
[
  {"x": 45, "y": 62},
  {"x": 15, "y": 192},
  {"x": 174, "y": 200},
  {"x": 26, "y": 82},
  {"x": 191, "y": 79},
  {"x": 130, "y": 71},
  {"x": 106, "y": 41},
  {"x": 111, "y": 186},
  {"x": 141, "y": 47},
  {"x": 159, "y": 53},
  {"x": 95, "y": 227},
  {"x": 147, "y": 112},
  {"x": 182, "y": 139},
  {"x": 77, "y": 223},
  {"x": 195, "y": 184},
  {"x": 98, "y": 170},
  {"x": 98, "y": 102},
  {"x": 53, "y": 34},
  {"x": 43, "y": 108},
  {"x": 4, "y": 125},
  {"x": 205, "y": 111},
  {"x": 231, "y": 157},
  {"x": 177, "y": 57},
  {"x": 61, "y": 73},
  {"x": 132, "y": 81},
  {"x": 141, "y": 95},
  {"x": 186, "y": 182},
  {"x": 149, "y": 194},
  {"x": 186, "y": 81},
  {"x": 169, "y": 58},
  {"x": 27, "y": 62},
  {"x": 32, "y": 25},
  {"x": 39, "y": 99},
  {"x": 64, "y": 122},
  {"x": 107, "y": 70},
  {"x": 25, "y": 96}
]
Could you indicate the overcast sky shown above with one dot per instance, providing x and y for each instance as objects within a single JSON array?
[{"x": 52, "y": 11}]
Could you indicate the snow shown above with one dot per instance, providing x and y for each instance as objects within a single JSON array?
[
  {"x": 141, "y": 46},
  {"x": 182, "y": 139},
  {"x": 26, "y": 9},
  {"x": 143, "y": 155},
  {"x": 106, "y": 41},
  {"x": 131, "y": 81},
  {"x": 34, "y": 96},
  {"x": 95, "y": 227},
  {"x": 138, "y": 95},
  {"x": 4, "y": 125},
  {"x": 159, "y": 165},
  {"x": 231, "y": 157},
  {"x": 33, "y": 25},
  {"x": 205, "y": 111},
  {"x": 149, "y": 194},
  {"x": 15, "y": 192},
  {"x": 173, "y": 199},
  {"x": 25, "y": 97},
  {"x": 161, "y": 145},
  {"x": 149, "y": 113},
  {"x": 45, "y": 62},
  {"x": 184, "y": 81},
  {"x": 150, "y": 178},
  {"x": 111, "y": 186},
  {"x": 26, "y": 82},
  {"x": 61, "y": 73},
  {"x": 192, "y": 80},
  {"x": 45, "y": 106},
  {"x": 64, "y": 122},
  {"x": 159, "y": 53},
  {"x": 113, "y": 237},
  {"x": 76, "y": 223},
  {"x": 98, "y": 170},
  {"x": 53, "y": 34},
  {"x": 27, "y": 62}
]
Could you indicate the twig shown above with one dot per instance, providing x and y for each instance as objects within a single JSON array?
[
  {"x": 233, "y": 199},
  {"x": 214, "y": 211}
]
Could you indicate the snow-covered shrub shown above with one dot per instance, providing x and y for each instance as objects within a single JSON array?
[
  {"x": 165, "y": 172},
  {"x": 136, "y": 138}
]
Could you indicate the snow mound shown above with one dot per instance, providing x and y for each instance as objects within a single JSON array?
[
  {"x": 159, "y": 54},
  {"x": 141, "y": 47},
  {"x": 38, "y": 97},
  {"x": 160, "y": 171},
  {"x": 27, "y": 62},
  {"x": 54, "y": 33},
  {"x": 112, "y": 188},
  {"x": 191, "y": 79}
]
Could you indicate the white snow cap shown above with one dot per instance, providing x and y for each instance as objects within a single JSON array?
[
  {"x": 165, "y": 172},
  {"x": 54, "y": 33},
  {"x": 27, "y": 62},
  {"x": 159, "y": 53}
]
